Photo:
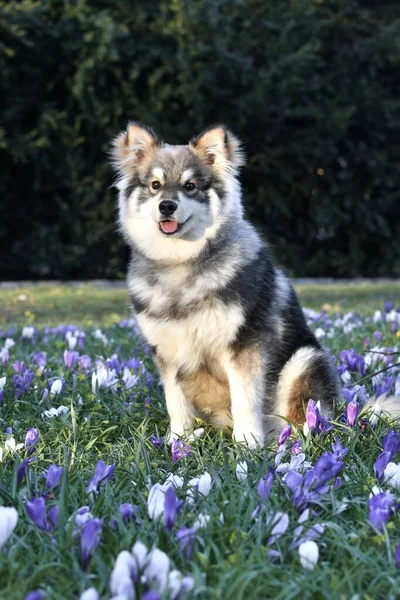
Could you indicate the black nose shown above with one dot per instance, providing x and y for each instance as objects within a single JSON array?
[{"x": 168, "y": 207}]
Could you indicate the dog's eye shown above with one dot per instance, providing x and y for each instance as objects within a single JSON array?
[
  {"x": 189, "y": 186},
  {"x": 155, "y": 185}
]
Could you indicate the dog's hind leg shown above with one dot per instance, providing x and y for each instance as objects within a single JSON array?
[
  {"x": 245, "y": 372},
  {"x": 308, "y": 374}
]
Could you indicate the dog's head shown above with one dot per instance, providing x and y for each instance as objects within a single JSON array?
[{"x": 173, "y": 198}]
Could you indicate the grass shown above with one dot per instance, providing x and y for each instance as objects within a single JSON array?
[
  {"x": 88, "y": 305},
  {"x": 230, "y": 559}
]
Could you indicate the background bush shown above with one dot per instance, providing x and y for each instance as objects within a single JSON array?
[{"x": 312, "y": 88}]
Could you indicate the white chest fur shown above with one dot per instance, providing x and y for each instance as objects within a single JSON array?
[{"x": 204, "y": 333}]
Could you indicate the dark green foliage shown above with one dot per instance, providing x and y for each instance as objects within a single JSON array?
[{"x": 311, "y": 86}]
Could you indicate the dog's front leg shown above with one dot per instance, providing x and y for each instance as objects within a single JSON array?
[
  {"x": 179, "y": 410},
  {"x": 246, "y": 382}
]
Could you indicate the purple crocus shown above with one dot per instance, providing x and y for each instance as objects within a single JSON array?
[
  {"x": 53, "y": 476},
  {"x": 391, "y": 442},
  {"x": 102, "y": 474},
  {"x": 36, "y": 510},
  {"x": 84, "y": 362},
  {"x": 21, "y": 471},
  {"x": 354, "y": 361},
  {"x": 70, "y": 358},
  {"x": 379, "y": 509},
  {"x": 352, "y": 412},
  {"x": 31, "y": 438},
  {"x": 397, "y": 556},
  {"x": 179, "y": 450},
  {"x": 381, "y": 463},
  {"x": 170, "y": 507},
  {"x": 186, "y": 538},
  {"x": 151, "y": 595},
  {"x": 296, "y": 447},
  {"x": 284, "y": 434},
  {"x": 90, "y": 539},
  {"x": 158, "y": 442},
  {"x": 264, "y": 486},
  {"x": 35, "y": 595},
  {"x": 128, "y": 512},
  {"x": 39, "y": 359},
  {"x": 23, "y": 382}
]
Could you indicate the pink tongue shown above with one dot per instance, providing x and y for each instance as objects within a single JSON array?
[{"x": 169, "y": 226}]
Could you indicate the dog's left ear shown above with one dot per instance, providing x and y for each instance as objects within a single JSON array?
[{"x": 219, "y": 148}]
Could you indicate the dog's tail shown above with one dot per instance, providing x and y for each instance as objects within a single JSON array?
[{"x": 384, "y": 404}]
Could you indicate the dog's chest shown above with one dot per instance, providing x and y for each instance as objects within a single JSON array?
[{"x": 203, "y": 334}]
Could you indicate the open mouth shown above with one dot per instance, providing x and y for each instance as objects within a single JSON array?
[{"x": 171, "y": 227}]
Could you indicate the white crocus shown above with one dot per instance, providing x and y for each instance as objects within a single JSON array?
[
  {"x": 204, "y": 484},
  {"x": 56, "y": 412},
  {"x": 56, "y": 387},
  {"x": 175, "y": 480},
  {"x": 391, "y": 476},
  {"x": 308, "y": 554},
  {"x": 9, "y": 343},
  {"x": 157, "y": 568},
  {"x": 201, "y": 521},
  {"x": 71, "y": 340},
  {"x": 140, "y": 553},
  {"x": 155, "y": 501},
  {"x": 89, "y": 594},
  {"x": 8, "y": 522},
  {"x": 129, "y": 379},
  {"x": 98, "y": 335},
  {"x": 11, "y": 446},
  {"x": 241, "y": 471},
  {"x": 121, "y": 576},
  {"x": 2, "y": 383},
  {"x": 28, "y": 332}
]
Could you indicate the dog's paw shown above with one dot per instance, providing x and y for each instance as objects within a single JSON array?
[{"x": 252, "y": 438}]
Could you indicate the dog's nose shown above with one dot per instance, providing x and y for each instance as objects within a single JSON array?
[{"x": 168, "y": 207}]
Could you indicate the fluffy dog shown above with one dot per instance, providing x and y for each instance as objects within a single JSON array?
[{"x": 224, "y": 323}]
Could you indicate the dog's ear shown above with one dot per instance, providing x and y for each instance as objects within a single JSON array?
[
  {"x": 219, "y": 148},
  {"x": 131, "y": 146}
]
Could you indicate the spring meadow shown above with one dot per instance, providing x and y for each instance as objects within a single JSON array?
[{"x": 96, "y": 504}]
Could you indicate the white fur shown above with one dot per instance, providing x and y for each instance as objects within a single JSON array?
[
  {"x": 293, "y": 369},
  {"x": 383, "y": 404},
  {"x": 247, "y": 395},
  {"x": 186, "y": 175},
  {"x": 159, "y": 173}
]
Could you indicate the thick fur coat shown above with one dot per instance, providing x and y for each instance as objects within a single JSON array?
[{"x": 224, "y": 323}]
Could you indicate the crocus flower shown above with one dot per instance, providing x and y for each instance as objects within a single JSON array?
[
  {"x": 241, "y": 471},
  {"x": 36, "y": 510},
  {"x": 2, "y": 384},
  {"x": 352, "y": 412},
  {"x": 186, "y": 538},
  {"x": 284, "y": 434},
  {"x": 391, "y": 476},
  {"x": 156, "y": 569},
  {"x": 53, "y": 476},
  {"x": 296, "y": 447},
  {"x": 84, "y": 362},
  {"x": 178, "y": 585},
  {"x": 22, "y": 383},
  {"x": 90, "y": 539},
  {"x": 31, "y": 438},
  {"x": 204, "y": 484},
  {"x": 102, "y": 474},
  {"x": 139, "y": 553},
  {"x": 128, "y": 512},
  {"x": 8, "y": 522},
  {"x": 122, "y": 576},
  {"x": 279, "y": 522},
  {"x": 10, "y": 445},
  {"x": 55, "y": 412},
  {"x": 391, "y": 442},
  {"x": 104, "y": 378},
  {"x": 35, "y": 595},
  {"x": 21, "y": 471},
  {"x": 129, "y": 380},
  {"x": 170, "y": 507},
  {"x": 151, "y": 595},
  {"x": 264, "y": 486},
  {"x": 155, "y": 500},
  {"x": 28, "y": 332},
  {"x": 381, "y": 463},
  {"x": 56, "y": 387},
  {"x": 89, "y": 594},
  {"x": 39, "y": 359},
  {"x": 179, "y": 450},
  {"x": 309, "y": 555},
  {"x": 70, "y": 358},
  {"x": 397, "y": 556},
  {"x": 158, "y": 442},
  {"x": 379, "y": 509}
]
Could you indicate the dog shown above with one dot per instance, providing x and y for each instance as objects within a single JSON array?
[{"x": 224, "y": 323}]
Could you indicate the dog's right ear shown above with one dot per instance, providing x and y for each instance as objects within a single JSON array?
[{"x": 131, "y": 146}]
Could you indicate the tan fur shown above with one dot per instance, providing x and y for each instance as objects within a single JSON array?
[{"x": 209, "y": 395}]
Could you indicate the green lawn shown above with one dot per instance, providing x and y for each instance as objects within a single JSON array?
[
  {"x": 88, "y": 305},
  {"x": 234, "y": 555}
]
